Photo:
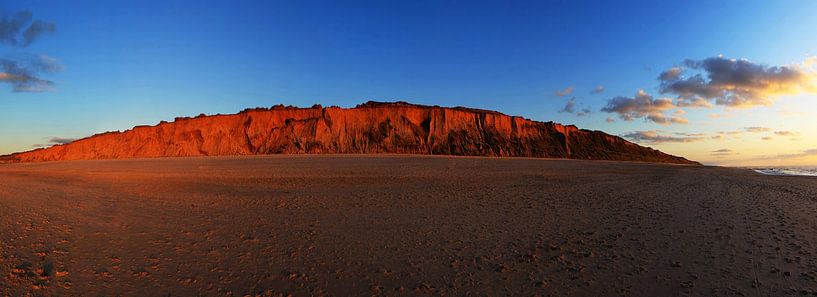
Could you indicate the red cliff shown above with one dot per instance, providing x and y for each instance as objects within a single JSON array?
[{"x": 372, "y": 127}]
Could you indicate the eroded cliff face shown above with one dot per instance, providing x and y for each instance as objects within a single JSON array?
[{"x": 372, "y": 127}]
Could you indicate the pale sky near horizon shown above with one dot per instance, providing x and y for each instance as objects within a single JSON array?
[{"x": 728, "y": 83}]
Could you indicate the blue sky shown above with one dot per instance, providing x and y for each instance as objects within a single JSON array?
[{"x": 129, "y": 63}]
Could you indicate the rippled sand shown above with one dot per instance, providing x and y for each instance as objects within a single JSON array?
[{"x": 402, "y": 225}]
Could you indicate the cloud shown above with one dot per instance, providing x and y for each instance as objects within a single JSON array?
[
  {"x": 653, "y": 137},
  {"x": 61, "y": 140},
  {"x": 693, "y": 102},
  {"x": 642, "y": 105},
  {"x": 570, "y": 106},
  {"x": 597, "y": 90},
  {"x": 565, "y": 92},
  {"x": 790, "y": 156},
  {"x": 690, "y": 134},
  {"x": 804, "y": 153},
  {"x": 786, "y": 133},
  {"x": 23, "y": 72},
  {"x": 756, "y": 129},
  {"x": 723, "y": 134},
  {"x": 723, "y": 152},
  {"x": 738, "y": 82},
  {"x": 766, "y": 138},
  {"x": 21, "y": 30},
  {"x": 610, "y": 120},
  {"x": 37, "y": 29},
  {"x": 55, "y": 140},
  {"x": 670, "y": 74}
]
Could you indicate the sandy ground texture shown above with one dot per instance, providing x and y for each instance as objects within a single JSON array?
[{"x": 402, "y": 225}]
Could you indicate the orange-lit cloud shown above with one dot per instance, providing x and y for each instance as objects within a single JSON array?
[
  {"x": 756, "y": 129},
  {"x": 565, "y": 92},
  {"x": 653, "y": 137},
  {"x": 805, "y": 153},
  {"x": 737, "y": 82},
  {"x": 642, "y": 105},
  {"x": 693, "y": 102},
  {"x": 723, "y": 152},
  {"x": 23, "y": 72},
  {"x": 671, "y": 74}
]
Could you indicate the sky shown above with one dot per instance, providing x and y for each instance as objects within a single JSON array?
[{"x": 726, "y": 83}]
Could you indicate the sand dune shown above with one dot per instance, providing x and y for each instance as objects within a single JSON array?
[{"x": 402, "y": 225}]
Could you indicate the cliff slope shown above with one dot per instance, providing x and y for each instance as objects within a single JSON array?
[{"x": 372, "y": 127}]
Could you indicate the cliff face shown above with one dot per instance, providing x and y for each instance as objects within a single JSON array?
[{"x": 372, "y": 127}]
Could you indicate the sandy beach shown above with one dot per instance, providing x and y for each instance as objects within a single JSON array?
[{"x": 353, "y": 225}]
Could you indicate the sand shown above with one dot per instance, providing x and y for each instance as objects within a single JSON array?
[{"x": 402, "y": 225}]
